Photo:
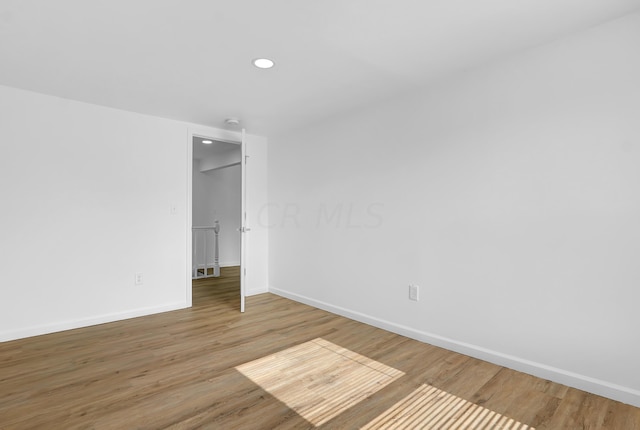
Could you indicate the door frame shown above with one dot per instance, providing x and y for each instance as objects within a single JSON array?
[{"x": 228, "y": 136}]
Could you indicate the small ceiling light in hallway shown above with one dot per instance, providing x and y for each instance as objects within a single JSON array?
[{"x": 263, "y": 63}]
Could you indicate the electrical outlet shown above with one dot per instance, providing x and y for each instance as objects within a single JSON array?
[
  {"x": 138, "y": 279},
  {"x": 413, "y": 292}
]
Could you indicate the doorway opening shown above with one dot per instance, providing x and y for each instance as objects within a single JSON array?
[{"x": 216, "y": 215}]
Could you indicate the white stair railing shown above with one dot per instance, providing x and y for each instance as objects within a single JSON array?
[{"x": 204, "y": 238}]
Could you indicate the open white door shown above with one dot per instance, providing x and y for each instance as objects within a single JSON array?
[{"x": 243, "y": 225}]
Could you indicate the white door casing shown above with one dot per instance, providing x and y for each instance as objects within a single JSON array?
[
  {"x": 243, "y": 224},
  {"x": 254, "y": 243}
]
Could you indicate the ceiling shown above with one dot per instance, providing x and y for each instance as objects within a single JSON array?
[
  {"x": 214, "y": 149},
  {"x": 191, "y": 59}
]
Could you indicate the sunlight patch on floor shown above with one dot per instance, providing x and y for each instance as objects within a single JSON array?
[
  {"x": 318, "y": 379},
  {"x": 430, "y": 408}
]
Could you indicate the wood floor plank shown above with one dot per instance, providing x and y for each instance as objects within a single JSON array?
[{"x": 179, "y": 370}]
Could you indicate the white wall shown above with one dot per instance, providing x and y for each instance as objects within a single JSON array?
[
  {"x": 509, "y": 194},
  {"x": 216, "y": 196},
  {"x": 87, "y": 193}
]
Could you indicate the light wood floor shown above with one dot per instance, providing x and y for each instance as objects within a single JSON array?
[{"x": 212, "y": 367}]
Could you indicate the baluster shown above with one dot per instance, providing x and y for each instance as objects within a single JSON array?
[{"x": 216, "y": 255}]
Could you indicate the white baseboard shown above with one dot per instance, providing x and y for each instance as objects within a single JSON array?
[
  {"x": 561, "y": 376},
  {"x": 229, "y": 264},
  {"x": 257, "y": 291},
  {"x": 85, "y": 322}
]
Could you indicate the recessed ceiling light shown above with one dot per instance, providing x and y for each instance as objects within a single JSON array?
[
  {"x": 207, "y": 142},
  {"x": 263, "y": 63}
]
